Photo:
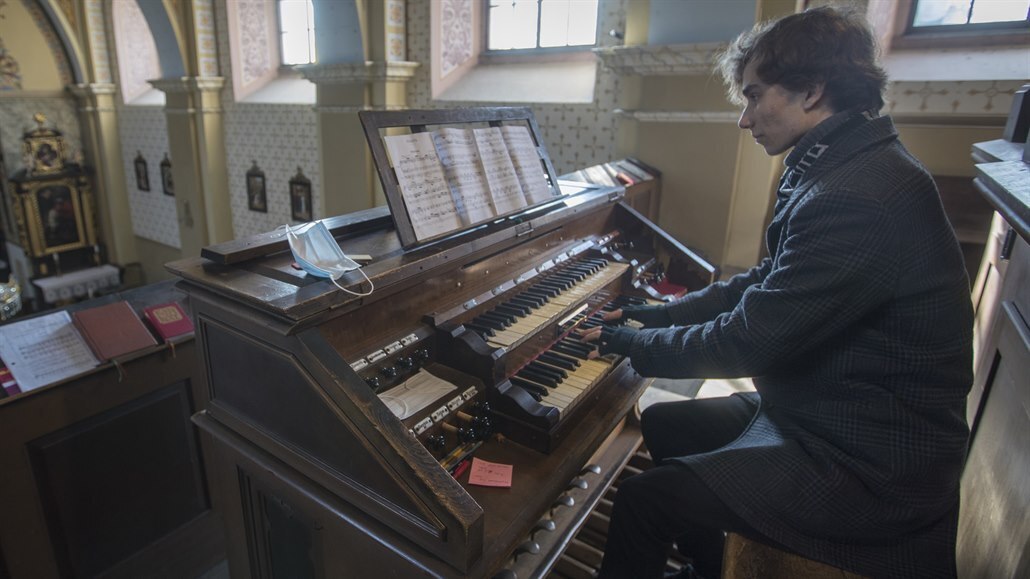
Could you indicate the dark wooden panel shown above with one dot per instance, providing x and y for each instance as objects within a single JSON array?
[
  {"x": 99, "y": 477},
  {"x": 993, "y": 527},
  {"x": 268, "y": 389}
]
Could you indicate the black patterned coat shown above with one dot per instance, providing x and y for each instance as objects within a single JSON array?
[{"x": 858, "y": 333}]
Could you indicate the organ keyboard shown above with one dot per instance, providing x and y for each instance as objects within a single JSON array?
[{"x": 337, "y": 425}]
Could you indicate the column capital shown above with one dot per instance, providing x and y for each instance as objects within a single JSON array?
[
  {"x": 358, "y": 72},
  {"x": 86, "y": 90},
  {"x": 188, "y": 84}
]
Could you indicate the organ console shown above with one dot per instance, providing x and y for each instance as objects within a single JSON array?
[{"x": 338, "y": 426}]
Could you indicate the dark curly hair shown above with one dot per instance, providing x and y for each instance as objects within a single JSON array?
[{"x": 820, "y": 45}]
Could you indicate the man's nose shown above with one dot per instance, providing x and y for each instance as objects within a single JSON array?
[{"x": 744, "y": 121}]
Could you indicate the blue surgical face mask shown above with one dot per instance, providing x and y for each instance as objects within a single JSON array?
[{"x": 317, "y": 253}]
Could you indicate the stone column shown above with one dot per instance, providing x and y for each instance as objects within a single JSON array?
[
  {"x": 102, "y": 141},
  {"x": 196, "y": 142},
  {"x": 349, "y": 179}
]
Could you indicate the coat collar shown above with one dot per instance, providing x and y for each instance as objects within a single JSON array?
[{"x": 832, "y": 141}]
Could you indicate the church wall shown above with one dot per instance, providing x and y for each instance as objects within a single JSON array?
[
  {"x": 28, "y": 41},
  {"x": 279, "y": 137},
  {"x": 144, "y": 131},
  {"x": 576, "y": 135},
  {"x": 34, "y": 74}
]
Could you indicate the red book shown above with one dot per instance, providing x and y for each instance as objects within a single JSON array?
[
  {"x": 168, "y": 320},
  {"x": 112, "y": 330}
]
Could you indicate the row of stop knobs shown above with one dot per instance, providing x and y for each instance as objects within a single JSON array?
[
  {"x": 402, "y": 365},
  {"x": 474, "y": 427}
]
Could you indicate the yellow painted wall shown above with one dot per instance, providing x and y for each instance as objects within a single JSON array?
[
  {"x": 27, "y": 45},
  {"x": 946, "y": 150},
  {"x": 697, "y": 161}
]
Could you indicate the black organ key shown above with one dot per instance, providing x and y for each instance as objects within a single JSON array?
[
  {"x": 537, "y": 377},
  {"x": 565, "y": 357},
  {"x": 483, "y": 330},
  {"x": 512, "y": 309},
  {"x": 488, "y": 323},
  {"x": 553, "y": 360},
  {"x": 500, "y": 318},
  {"x": 535, "y": 390},
  {"x": 555, "y": 373},
  {"x": 542, "y": 291},
  {"x": 528, "y": 300},
  {"x": 568, "y": 350}
]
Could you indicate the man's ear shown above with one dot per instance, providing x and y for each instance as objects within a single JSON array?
[{"x": 814, "y": 96}]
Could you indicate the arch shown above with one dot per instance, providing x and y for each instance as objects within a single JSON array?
[
  {"x": 167, "y": 37},
  {"x": 73, "y": 53},
  {"x": 339, "y": 35}
]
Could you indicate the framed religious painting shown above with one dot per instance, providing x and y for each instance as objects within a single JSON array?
[
  {"x": 142, "y": 173},
  {"x": 43, "y": 148},
  {"x": 256, "y": 197},
  {"x": 300, "y": 197},
  {"x": 166, "y": 176}
]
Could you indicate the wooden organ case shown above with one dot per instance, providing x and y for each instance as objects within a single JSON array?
[{"x": 316, "y": 471}]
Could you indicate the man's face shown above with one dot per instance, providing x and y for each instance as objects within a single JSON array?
[{"x": 777, "y": 117}]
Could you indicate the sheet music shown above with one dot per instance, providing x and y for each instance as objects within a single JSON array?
[
  {"x": 424, "y": 188},
  {"x": 505, "y": 190},
  {"x": 464, "y": 172},
  {"x": 415, "y": 393},
  {"x": 44, "y": 350},
  {"x": 527, "y": 163}
]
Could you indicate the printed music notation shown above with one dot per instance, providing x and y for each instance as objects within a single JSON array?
[
  {"x": 427, "y": 196},
  {"x": 464, "y": 171},
  {"x": 527, "y": 163},
  {"x": 452, "y": 178},
  {"x": 505, "y": 191},
  {"x": 44, "y": 350}
]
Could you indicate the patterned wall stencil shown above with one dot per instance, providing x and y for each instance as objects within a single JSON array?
[
  {"x": 396, "y": 43},
  {"x": 968, "y": 98},
  {"x": 98, "y": 41},
  {"x": 456, "y": 29},
  {"x": 154, "y": 217},
  {"x": 207, "y": 46},
  {"x": 280, "y": 138},
  {"x": 252, "y": 18},
  {"x": 137, "y": 53}
]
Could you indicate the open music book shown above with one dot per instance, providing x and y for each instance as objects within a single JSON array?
[{"x": 453, "y": 178}]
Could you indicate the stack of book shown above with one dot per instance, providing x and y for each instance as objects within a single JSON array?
[{"x": 53, "y": 347}]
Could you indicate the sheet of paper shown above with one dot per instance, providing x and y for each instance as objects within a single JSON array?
[
  {"x": 415, "y": 394},
  {"x": 44, "y": 350},
  {"x": 464, "y": 173},
  {"x": 527, "y": 163},
  {"x": 427, "y": 197},
  {"x": 505, "y": 190},
  {"x": 490, "y": 474}
]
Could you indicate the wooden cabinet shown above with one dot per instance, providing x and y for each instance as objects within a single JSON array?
[
  {"x": 101, "y": 475},
  {"x": 994, "y": 532}
]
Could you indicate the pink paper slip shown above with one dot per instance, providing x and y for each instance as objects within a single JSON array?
[{"x": 490, "y": 474}]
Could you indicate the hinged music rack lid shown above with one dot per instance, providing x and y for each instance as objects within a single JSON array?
[{"x": 430, "y": 162}]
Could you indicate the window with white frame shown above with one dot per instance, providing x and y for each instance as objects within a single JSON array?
[
  {"x": 540, "y": 25},
  {"x": 945, "y": 15},
  {"x": 297, "y": 32}
]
